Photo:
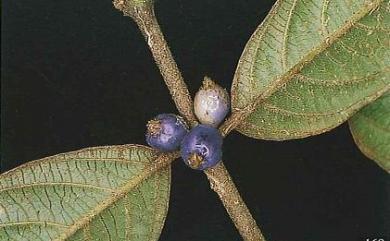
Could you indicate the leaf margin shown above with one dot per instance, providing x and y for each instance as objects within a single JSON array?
[
  {"x": 363, "y": 147},
  {"x": 161, "y": 161},
  {"x": 239, "y": 114}
]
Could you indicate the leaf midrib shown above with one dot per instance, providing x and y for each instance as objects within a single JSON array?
[
  {"x": 70, "y": 184},
  {"x": 352, "y": 107},
  {"x": 43, "y": 223},
  {"x": 160, "y": 162},
  {"x": 324, "y": 45}
]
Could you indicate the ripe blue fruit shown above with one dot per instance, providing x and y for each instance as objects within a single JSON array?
[
  {"x": 211, "y": 103},
  {"x": 165, "y": 132},
  {"x": 201, "y": 148}
]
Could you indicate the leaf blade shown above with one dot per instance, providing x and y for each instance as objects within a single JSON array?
[
  {"x": 63, "y": 196},
  {"x": 267, "y": 86},
  {"x": 370, "y": 130}
]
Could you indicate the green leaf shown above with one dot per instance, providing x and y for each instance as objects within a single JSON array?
[
  {"x": 102, "y": 193},
  {"x": 370, "y": 129},
  {"x": 310, "y": 66}
]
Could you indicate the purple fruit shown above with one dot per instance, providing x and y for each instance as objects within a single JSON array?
[
  {"x": 201, "y": 148},
  {"x": 165, "y": 132},
  {"x": 211, "y": 103}
]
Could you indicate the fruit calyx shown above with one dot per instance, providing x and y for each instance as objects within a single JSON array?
[
  {"x": 195, "y": 161},
  {"x": 154, "y": 127},
  {"x": 208, "y": 83}
]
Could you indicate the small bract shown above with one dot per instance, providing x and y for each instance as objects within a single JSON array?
[
  {"x": 211, "y": 103},
  {"x": 165, "y": 132},
  {"x": 201, "y": 148}
]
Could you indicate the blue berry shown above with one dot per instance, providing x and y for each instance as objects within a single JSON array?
[
  {"x": 165, "y": 132},
  {"x": 211, "y": 103},
  {"x": 201, "y": 148}
]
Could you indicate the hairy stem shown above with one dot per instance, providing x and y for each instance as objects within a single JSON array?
[
  {"x": 142, "y": 12},
  {"x": 223, "y": 185}
]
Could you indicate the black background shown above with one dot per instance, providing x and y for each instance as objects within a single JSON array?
[{"x": 77, "y": 74}]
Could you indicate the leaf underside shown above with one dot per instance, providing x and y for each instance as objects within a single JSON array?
[
  {"x": 101, "y": 193},
  {"x": 311, "y": 65},
  {"x": 370, "y": 128}
]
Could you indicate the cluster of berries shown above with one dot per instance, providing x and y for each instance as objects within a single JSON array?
[{"x": 200, "y": 147}]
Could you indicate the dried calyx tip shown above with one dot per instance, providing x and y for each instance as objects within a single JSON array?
[
  {"x": 208, "y": 83},
  {"x": 195, "y": 161},
  {"x": 154, "y": 127}
]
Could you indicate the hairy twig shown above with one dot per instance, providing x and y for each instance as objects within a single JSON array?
[
  {"x": 142, "y": 12},
  {"x": 223, "y": 185}
]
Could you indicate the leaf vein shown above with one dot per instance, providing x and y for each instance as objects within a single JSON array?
[
  {"x": 46, "y": 184},
  {"x": 285, "y": 35}
]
